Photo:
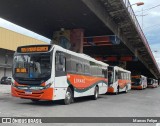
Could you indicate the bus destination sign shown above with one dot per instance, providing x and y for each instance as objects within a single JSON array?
[
  {"x": 21, "y": 70},
  {"x": 34, "y": 49}
]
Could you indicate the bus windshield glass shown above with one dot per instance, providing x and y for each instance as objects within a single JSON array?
[
  {"x": 32, "y": 66},
  {"x": 136, "y": 81},
  {"x": 150, "y": 81}
]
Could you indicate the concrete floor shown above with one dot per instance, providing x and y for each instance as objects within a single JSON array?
[{"x": 136, "y": 103}]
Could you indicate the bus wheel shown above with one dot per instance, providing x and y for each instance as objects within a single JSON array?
[
  {"x": 68, "y": 96},
  {"x": 96, "y": 93}
]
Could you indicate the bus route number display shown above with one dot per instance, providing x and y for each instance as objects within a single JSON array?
[
  {"x": 21, "y": 70},
  {"x": 34, "y": 49}
]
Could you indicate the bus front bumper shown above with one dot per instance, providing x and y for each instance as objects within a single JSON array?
[
  {"x": 110, "y": 90},
  {"x": 45, "y": 94},
  {"x": 136, "y": 87},
  {"x": 152, "y": 86}
]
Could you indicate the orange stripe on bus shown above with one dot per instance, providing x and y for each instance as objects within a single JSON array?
[
  {"x": 123, "y": 83},
  {"x": 82, "y": 81}
]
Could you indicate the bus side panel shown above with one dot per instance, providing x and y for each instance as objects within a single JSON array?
[
  {"x": 102, "y": 90},
  {"x": 122, "y": 85},
  {"x": 129, "y": 86},
  {"x": 80, "y": 94},
  {"x": 60, "y": 87},
  {"x": 122, "y": 89},
  {"x": 115, "y": 85},
  {"x": 85, "y": 85},
  {"x": 145, "y": 82},
  {"x": 59, "y": 93}
]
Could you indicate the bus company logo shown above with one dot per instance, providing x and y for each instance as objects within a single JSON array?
[
  {"x": 77, "y": 80},
  {"x": 6, "y": 120}
]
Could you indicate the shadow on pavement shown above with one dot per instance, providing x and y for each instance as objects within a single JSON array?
[{"x": 60, "y": 102}]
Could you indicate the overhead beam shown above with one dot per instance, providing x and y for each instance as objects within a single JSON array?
[{"x": 100, "y": 11}]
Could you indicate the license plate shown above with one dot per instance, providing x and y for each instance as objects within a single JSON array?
[{"x": 28, "y": 92}]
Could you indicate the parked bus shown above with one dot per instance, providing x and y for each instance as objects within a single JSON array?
[
  {"x": 139, "y": 82},
  {"x": 119, "y": 80},
  {"x": 152, "y": 83},
  {"x": 50, "y": 72}
]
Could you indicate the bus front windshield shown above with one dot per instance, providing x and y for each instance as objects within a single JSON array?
[
  {"x": 136, "y": 81},
  {"x": 32, "y": 66},
  {"x": 150, "y": 81}
]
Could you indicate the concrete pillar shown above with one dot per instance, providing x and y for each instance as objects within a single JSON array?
[
  {"x": 69, "y": 39},
  {"x": 62, "y": 38},
  {"x": 76, "y": 38}
]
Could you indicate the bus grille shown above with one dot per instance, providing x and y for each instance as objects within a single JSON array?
[{"x": 34, "y": 94}]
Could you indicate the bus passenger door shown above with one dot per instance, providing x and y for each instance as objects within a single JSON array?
[
  {"x": 60, "y": 69},
  {"x": 60, "y": 75}
]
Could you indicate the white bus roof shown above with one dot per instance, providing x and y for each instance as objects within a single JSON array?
[
  {"x": 80, "y": 55},
  {"x": 121, "y": 69}
]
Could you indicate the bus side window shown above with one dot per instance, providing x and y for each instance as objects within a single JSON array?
[
  {"x": 86, "y": 69},
  {"x": 119, "y": 75},
  {"x": 105, "y": 73},
  {"x": 79, "y": 68},
  {"x": 116, "y": 76}
]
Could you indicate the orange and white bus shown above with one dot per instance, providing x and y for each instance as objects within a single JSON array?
[
  {"x": 50, "y": 72},
  {"x": 139, "y": 82},
  {"x": 152, "y": 83},
  {"x": 119, "y": 80}
]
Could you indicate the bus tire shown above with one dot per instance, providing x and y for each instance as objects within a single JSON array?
[
  {"x": 96, "y": 93},
  {"x": 68, "y": 96}
]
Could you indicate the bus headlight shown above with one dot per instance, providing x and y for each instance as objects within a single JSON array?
[
  {"x": 48, "y": 85},
  {"x": 36, "y": 88}
]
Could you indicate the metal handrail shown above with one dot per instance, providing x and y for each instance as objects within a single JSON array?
[{"x": 139, "y": 29}]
